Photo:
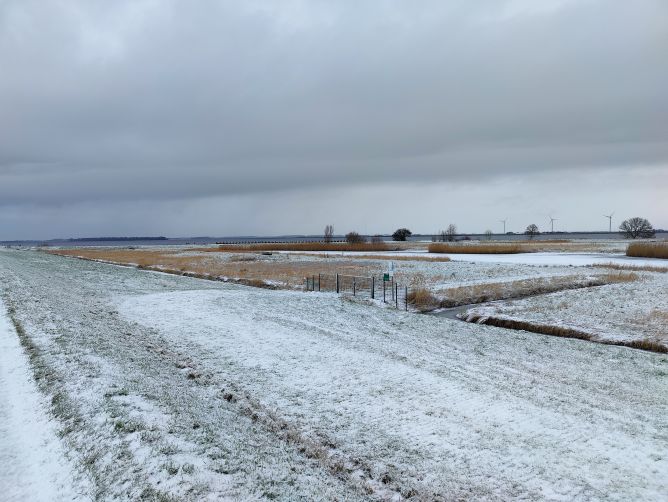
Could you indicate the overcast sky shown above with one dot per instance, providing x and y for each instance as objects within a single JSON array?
[{"x": 270, "y": 117}]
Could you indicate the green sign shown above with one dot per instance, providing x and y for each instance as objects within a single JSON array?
[{"x": 386, "y": 277}]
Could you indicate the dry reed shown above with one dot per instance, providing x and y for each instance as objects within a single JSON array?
[
  {"x": 565, "y": 332},
  {"x": 261, "y": 271},
  {"x": 422, "y": 299},
  {"x": 619, "y": 277},
  {"x": 433, "y": 259},
  {"x": 648, "y": 250},
  {"x": 632, "y": 268},
  {"x": 477, "y": 248},
  {"x": 658, "y": 316}
]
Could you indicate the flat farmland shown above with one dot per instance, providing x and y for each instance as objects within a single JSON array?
[{"x": 164, "y": 386}]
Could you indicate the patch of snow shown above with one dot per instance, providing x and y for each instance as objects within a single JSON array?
[
  {"x": 33, "y": 466},
  {"x": 629, "y": 311},
  {"x": 442, "y": 406},
  {"x": 563, "y": 259}
]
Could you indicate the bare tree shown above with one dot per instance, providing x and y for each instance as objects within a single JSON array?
[
  {"x": 532, "y": 231},
  {"x": 451, "y": 232},
  {"x": 354, "y": 238},
  {"x": 488, "y": 234},
  {"x": 329, "y": 233},
  {"x": 637, "y": 227}
]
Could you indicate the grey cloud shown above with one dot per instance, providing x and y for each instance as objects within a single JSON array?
[{"x": 145, "y": 100}]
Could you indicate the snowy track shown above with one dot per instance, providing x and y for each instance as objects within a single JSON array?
[
  {"x": 177, "y": 386},
  {"x": 34, "y": 466}
]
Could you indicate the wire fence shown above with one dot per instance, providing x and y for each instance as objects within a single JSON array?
[{"x": 384, "y": 289}]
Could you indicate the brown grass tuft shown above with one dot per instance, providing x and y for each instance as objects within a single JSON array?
[
  {"x": 565, "y": 332},
  {"x": 422, "y": 299},
  {"x": 419, "y": 296},
  {"x": 646, "y": 344},
  {"x": 477, "y": 248},
  {"x": 542, "y": 329},
  {"x": 658, "y": 316},
  {"x": 632, "y": 268},
  {"x": 619, "y": 277},
  {"x": 648, "y": 249}
]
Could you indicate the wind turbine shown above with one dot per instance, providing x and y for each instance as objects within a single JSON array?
[
  {"x": 504, "y": 225},
  {"x": 609, "y": 217},
  {"x": 552, "y": 220}
]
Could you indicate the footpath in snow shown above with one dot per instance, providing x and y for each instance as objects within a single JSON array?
[{"x": 33, "y": 464}]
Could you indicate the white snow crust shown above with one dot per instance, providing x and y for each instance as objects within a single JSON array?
[{"x": 33, "y": 466}]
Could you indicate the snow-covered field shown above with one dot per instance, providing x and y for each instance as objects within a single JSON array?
[
  {"x": 171, "y": 386},
  {"x": 551, "y": 258},
  {"x": 615, "y": 312}
]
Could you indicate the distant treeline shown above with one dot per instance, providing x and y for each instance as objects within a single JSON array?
[{"x": 96, "y": 239}]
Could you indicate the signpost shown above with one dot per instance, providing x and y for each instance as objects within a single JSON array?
[{"x": 387, "y": 277}]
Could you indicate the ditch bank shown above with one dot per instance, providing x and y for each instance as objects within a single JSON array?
[{"x": 561, "y": 331}]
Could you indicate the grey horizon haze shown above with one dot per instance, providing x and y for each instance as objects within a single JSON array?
[{"x": 259, "y": 117}]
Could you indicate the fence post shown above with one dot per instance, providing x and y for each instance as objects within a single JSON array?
[
  {"x": 313, "y": 284},
  {"x": 396, "y": 295},
  {"x": 406, "y": 297},
  {"x": 354, "y": 287},
  {"x": 337, "y": 283},
  {"x": 384, "y": 301},
  {"x": 318, "y": 283},
  {"x": 373, "y": 287}
]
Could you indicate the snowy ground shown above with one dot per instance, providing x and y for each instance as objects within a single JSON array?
[
  {"x": 616, "y": 312},
  {"x": 536, "y": 259},
  {"x": 567, "y": 259},
  {"x": 34, "y": 465},
  {"x": 167, "y": 385}
]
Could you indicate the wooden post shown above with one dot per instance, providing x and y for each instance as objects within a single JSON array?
[
  {"x": 354, "y": 287},
  {"x": 384, "y": 300},
  {"x": 318, "y": 283},
  {"x": 373, "y": 287},
  {"x": 337, "y": 283},
  {"x": 406, "y": 297}
]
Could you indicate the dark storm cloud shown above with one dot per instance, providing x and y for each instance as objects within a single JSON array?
[{"x": 137, "y": 100}]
